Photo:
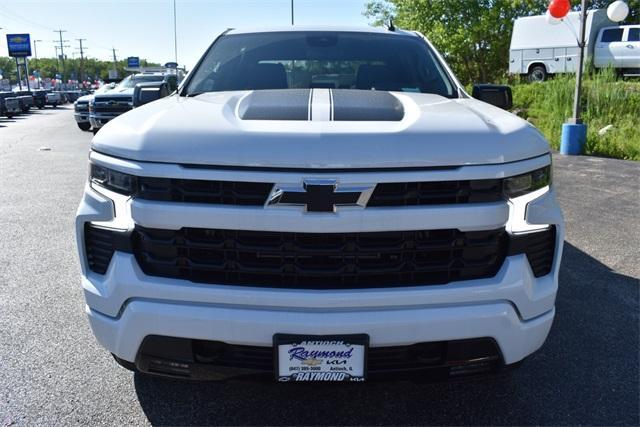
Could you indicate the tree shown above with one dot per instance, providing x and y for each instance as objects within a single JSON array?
[
  {"x": 49, "y": 67},
  {"x": 473, "y": 36}
]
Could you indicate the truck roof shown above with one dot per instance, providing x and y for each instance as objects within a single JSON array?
[{"x": 294, "y": 28}]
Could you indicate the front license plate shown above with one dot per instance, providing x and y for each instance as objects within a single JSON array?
[{"x": 325, "y": 358}]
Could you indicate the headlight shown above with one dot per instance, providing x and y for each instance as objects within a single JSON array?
[
  {"x": 118, "y": 182},
  {"x": 526, "y": 183}
]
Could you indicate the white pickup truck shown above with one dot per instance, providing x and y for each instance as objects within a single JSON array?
[
  {"x": 320, "y": 204},
  {"x": 539, "y": 49}
]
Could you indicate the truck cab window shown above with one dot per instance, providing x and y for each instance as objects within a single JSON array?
[{"x": 612, "y": 35}]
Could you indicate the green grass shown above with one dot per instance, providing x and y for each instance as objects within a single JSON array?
[{"x": 606, "y": 101}]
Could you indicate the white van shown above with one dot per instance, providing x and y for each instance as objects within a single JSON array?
[{"x": 539, "y": 49}]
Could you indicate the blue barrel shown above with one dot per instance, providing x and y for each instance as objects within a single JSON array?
[{"x": 574, "y": 137}]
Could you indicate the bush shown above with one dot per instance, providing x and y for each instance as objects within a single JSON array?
[{"x": 606, "y": 101}]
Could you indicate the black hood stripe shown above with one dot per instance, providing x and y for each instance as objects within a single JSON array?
[
  {"x": 279, "y": 104},
  {"x": 366, "y": 105},
  {"x": 342, "y": 105}
]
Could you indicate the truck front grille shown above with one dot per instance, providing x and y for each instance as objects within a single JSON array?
[
  {"x": 320, "y": 260},
  {"x": 112, "y": 105},
  {"x": 256, "y": 193},
  {"x": 437, "y": 192},
  {"x": 201, "y": 191},
  {"x": 82, "y": 106}
]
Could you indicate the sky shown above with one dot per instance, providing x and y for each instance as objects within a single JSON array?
[{"x": 144, "y": 28}]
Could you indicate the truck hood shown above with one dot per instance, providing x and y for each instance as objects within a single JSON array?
[
  {"x": 255, "y": 129},
  {"x": 117, "y": 91}
]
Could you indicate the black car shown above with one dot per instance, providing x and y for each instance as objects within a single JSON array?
[{"x": 39, "y": 98}]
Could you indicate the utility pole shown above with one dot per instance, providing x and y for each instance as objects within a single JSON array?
[
  {"x": 115, "y": 61},
  {"x": 81, "y": 59},
  {"x": 64, "y": 71},
  {"x": 57, "y": 59},
  {"x": 291, "y": 12},
  {"x": 175, "y": 32}
]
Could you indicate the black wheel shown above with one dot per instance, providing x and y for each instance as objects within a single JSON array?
[
  {"x": 55, "y": 105},
  {"x": 130, "y": 366},
  {"x": 10, "y": 116},
  {"x": 537, "y": 73},
  {"x": 85, "y": 126}
]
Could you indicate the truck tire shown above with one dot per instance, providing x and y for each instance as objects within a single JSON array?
[
  {"x": 537, "y": 73},
  {"x": 84, "y": 126}
]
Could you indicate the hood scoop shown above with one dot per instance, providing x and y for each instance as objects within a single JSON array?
[{"x": 321, "y": 105}]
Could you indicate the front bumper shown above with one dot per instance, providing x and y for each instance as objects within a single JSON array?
[
  {"x": 81, "y": 117},
  {"x": 400, "y": 316},
  {"x": 514, "y": 308},
  {"x": 13, "y": 108},
  {"x": 98, "y": 120}
]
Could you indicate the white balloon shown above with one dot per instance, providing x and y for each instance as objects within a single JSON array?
[
  {"x": 552, "y": 19},
  {"x": 618, "y": 11}
]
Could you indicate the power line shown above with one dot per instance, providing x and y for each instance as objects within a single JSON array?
[{"x": 14, "y": 16}]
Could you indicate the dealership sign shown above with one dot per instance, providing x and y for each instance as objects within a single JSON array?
[
  {"x": 19, "y": 45},
  {"x": 133, "y": 62}
]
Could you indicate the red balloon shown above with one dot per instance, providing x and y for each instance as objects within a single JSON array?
[{"x": 559, "y": 8}]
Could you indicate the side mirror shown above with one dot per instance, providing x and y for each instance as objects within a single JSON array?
[
  {"x": 496, "y": 95},
  {"x": 148, "y": 92}
]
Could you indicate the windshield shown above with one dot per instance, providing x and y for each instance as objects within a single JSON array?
[
  {"x": 336, "y": 60},
  {"x": 132, "y": 81}
]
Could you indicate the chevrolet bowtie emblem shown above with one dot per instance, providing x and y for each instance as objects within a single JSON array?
[
  {"x": 320, "y": 195},
  {"x": 312, "y": 362}
]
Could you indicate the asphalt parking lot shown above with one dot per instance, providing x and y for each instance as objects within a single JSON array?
[{"x": 53, "y": 372}]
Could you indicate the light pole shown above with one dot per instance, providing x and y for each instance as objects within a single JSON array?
[
  {"x": 291, "y": 12},
  {"x": 175, "y": 33},
  {"x": 35, "y": 52}
]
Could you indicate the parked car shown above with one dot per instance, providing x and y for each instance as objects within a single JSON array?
[
  {"x": 252, "y": 223},
  {"x": 73, "y": 95},
  {"x": 106, "y": 107},
  {"x": 39, "y": 98},
  {"x": 9, "y": 104},
  {"x": 539, "y": 49},
  {"x": 25, "y": 98},
  {"x": 54, "y": 99}
]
